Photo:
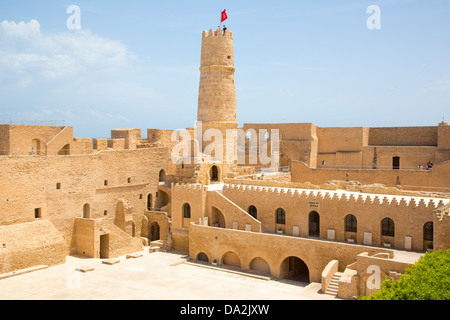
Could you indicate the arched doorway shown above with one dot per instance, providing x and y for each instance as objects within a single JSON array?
[
  {"x": 214, "y": 174},
  {"x": 396, "y": 163},
  {"x": 162, "y": 199},
  {"x": 86, "y": 211},
  {"x": 428, "y": 236},
  {"x": 162, "y": 175},
  {"x": 428, "y": 231},
  {"x": 202, "y": 257},
  {"x": 35, "y": 147},
  {"x": 217, "y": 218},
  {"x": 314, "y": 224},
  {"x": 154, "y": 232},
  {"x": 294, "y": 268},
  {"x": 231, "y": 259},
  {"x": 253, "y": 212}
]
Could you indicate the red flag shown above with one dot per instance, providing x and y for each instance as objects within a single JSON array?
[{"x": 224, "y": 16}]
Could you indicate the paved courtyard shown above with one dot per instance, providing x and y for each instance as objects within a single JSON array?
[{"x": 155, "y": 276}]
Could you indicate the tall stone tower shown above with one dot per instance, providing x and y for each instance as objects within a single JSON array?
[{"x": 217, "y": 91}]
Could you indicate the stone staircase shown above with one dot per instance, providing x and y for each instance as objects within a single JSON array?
[
  {"x": 156, "y": 246},
  {"x": 333, "y": 287}
]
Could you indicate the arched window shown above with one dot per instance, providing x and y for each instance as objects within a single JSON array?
[
  {"x": 186, "y": 211},
  {"x": 314, "y": 224},
  {"x": 253, "y": 212},
  {"x": 350, "y": 223},
  {"x": 281, "y": 216},
  {"x": 387, "y": 227},
  {"x": 428, "y": 231},
  {"x": 162, "y": 175},
  {"x": 214, "y": 173}
]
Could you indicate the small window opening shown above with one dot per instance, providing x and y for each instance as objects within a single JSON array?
[
  {"x": 37, "y": 213},
  {"x": 58, "y": 185},
  {"x": 105, "y": 213},
  {"x": 105, "y": 182},
  {"x": 129, "y": 180}
]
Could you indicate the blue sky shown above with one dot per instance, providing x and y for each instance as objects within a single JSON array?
[{"x": 135, "y": 63}]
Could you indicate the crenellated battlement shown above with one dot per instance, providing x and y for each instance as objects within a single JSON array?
[
  {"x": 217, "y": 33},
  {"x": 443, "y": 212},
  {"x": 189, "y": 187},
  {"x": 339, "y": 196}
]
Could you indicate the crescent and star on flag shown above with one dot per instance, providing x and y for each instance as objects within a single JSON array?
[{"x": 223, "y": 16}]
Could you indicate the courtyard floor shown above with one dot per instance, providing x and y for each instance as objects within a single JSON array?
[{"x": 152, "y": 276}]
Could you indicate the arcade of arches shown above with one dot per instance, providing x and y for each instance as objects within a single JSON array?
[{"x": 292, "y": 268}]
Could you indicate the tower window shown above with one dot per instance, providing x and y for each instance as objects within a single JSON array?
[
  {"x": 186, "y": 211},
  {"x": 37, "y": 213}
]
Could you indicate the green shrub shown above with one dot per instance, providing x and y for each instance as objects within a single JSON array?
[{"x": 427, "y": 279}]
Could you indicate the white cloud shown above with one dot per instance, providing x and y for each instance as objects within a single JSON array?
[
  {"x": 21, "y": 29},
  {"x": 26, "y": 51}
]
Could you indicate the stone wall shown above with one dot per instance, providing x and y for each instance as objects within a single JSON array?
[
  {"x": 273, "y": 249},
  {"x": 436, "y": 179},
  {"x": 360, "y": 147},
  {"x": 30, "y": 244},
  {"x": 61, "y": 189},
  {"x": 409, "y": 214}
]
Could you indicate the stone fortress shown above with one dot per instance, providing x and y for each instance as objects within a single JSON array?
[{"x": 339, "y": 201}]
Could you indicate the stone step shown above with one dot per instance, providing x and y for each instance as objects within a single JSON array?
[
  {"x": 333, "y": 286},
  {"x": 157, "y": 243},
  {"x": 134, "y": 255},
  {"x": 111, "y": 261},
  {"x": 331, "y": 292},
  {"x": 85, "y": 269}
]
